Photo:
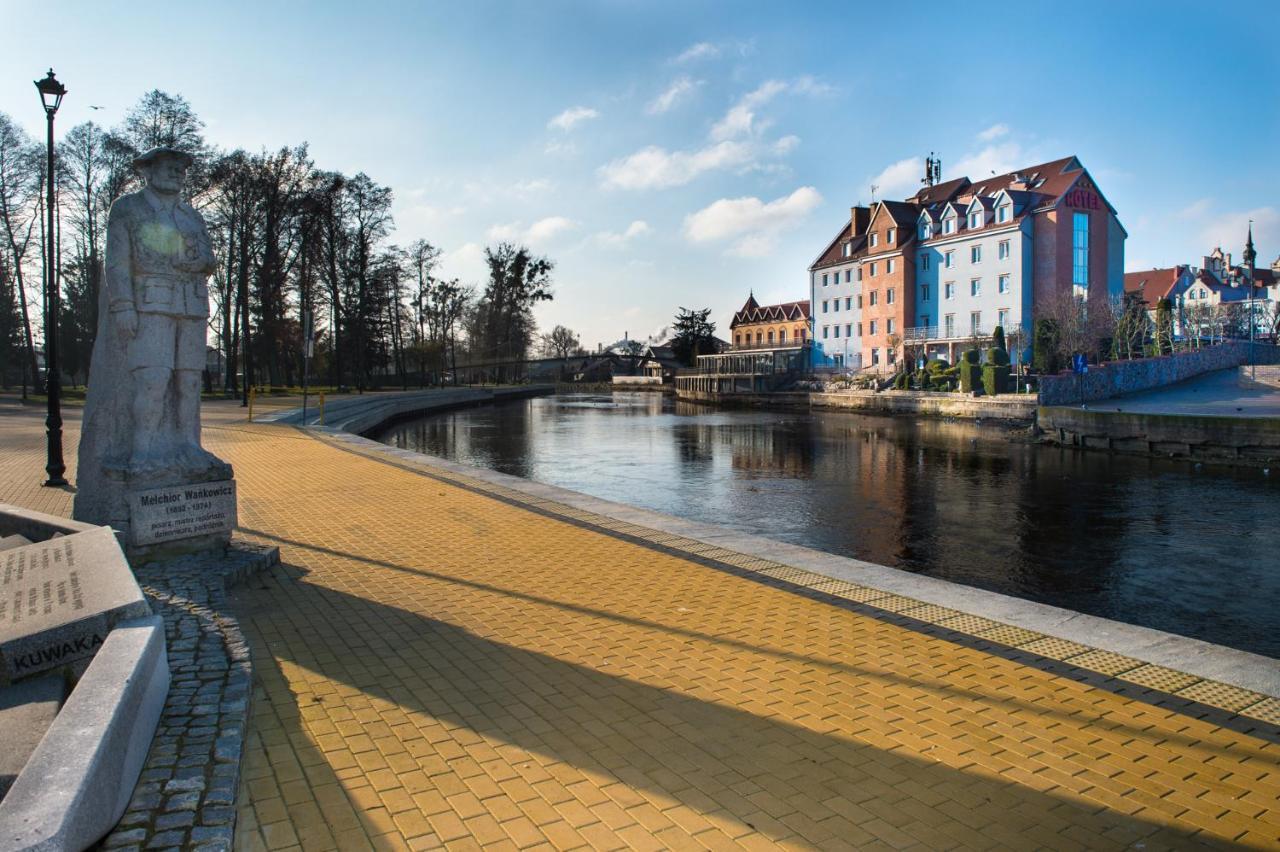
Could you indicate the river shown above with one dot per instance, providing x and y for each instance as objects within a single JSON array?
[{"x": 1188, "y": 549}]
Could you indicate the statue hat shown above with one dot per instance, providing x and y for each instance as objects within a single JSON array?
[{"x": 160, "y": 153}]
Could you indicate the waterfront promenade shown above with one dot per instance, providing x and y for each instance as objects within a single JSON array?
[{"x": 445, "y": 661}]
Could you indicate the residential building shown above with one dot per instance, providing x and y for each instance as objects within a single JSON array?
[
  {"x": 770, "y": 326},
  {"x": 943, "y": 268}
]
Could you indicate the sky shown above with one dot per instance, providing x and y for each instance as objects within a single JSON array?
[{"x": 684, "y": 154}]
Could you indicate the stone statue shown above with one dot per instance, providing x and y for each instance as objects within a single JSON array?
[{"x": 142, "y": 415}]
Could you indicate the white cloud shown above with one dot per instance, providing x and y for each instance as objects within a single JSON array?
[
  {"x": 526, "y": 188},
  {"x": 612, "y": 240},
  {"x": 995, "y": 131},
  {"x": 654, "y": 167},
  {"x": 786, "y": 145},
  {"x": 571, "y": 117},
  {"x": 1229, "y": 231},
  {"x": 754, "y": 225},
  {"x": 680, "y": 88},
  {"x": 1197, "y": 209},
  {"x": 544, "y": 230},
  {"x": 898, "y": 180},
  {"x": 701, "y": 50},
  {"x": 540, "y": 232},
  {"x": 466, "y": 263},
  {"x": 993, "y": 159},
  {"x": 740, "y": 120}
]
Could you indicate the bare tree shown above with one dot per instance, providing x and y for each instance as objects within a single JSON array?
[
  {"x": 19, "y": 191},
  {"x": 561, "y": 342}
]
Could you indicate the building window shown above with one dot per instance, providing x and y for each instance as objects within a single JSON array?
[
  {"x": 848, "y": 330},
  {"x": 949, "y": 259},
  {"x": 888, "y": 296},
  {"x": 975, "y": 323},
  {"x": 824, "y": 279},
  {"x": 890, "y": 235},
  {"x": 1004, "y": 283},
  {"x": 1002, "y": 317},
  {"x": 859, "y": 329},
  {"x": 837, "y": 332},
  {"x": 924, "y": 261},
  {"x": 926, "y": 231},
  {"x": 826, "y": 331},
  {"x": 924, "y": 292},
  {"x": 759, "y": 337},
  {"x": 737, "y": 340},
  {"x": 1003, "y": 212},
  {"x": 975, "y": 287},
  {"x": 975, "y": 219},
  {"x": 874, "y": 293},
  {"x": 859, "y": 273},
  {"x": 835, "y": 305},
  {"x": 770, "y": 335},
  {"x": 893, "y": 355},
  {"x": 975, "y": 254},
  {"x": 859, "y": 301},
  {"x": 924, "y": 320},
  {"x": 872, "y": 328},
  {"x": 872, "y": 273},
  {"x": 848, "y": 275},
  {"x": 949, "y": 290},
  {"x": 949, "y": 325},
  {"x": 875, "y": 355},
  {"x": 848, "y": 303},
  {"x": 888, "y": 266},
  {"x": 888, "y": 326},
  {"x": 1002, "y": 252},
  {"x": 782, "y": 335},
  {"x": 875, "y": 239},
  {"x": 848, "y": 249},
  {"x": 1080, "y": 250},
  {"x": 949, "y": 225},
  {"x": 824, "y": 306}
]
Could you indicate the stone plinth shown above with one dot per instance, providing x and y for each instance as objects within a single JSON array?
[{"x": 60, "y": 598}]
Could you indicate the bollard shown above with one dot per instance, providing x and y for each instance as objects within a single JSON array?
[
  {"x": 251, "y": 395},
  {"x": 321, "y": 409}
]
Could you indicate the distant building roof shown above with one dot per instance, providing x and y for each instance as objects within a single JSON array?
[{"x": 752, "y": 313}]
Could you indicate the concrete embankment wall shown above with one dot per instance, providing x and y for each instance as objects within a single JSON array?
[
  {"x": 1121, "y": 377},
  {"x": 368, "y": 413},
  {"x": 1011, "y": 408},
  {"x": 1181, "y": 435}
]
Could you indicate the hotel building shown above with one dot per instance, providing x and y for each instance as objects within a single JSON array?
[
  {"x": 770, "y": 326},
  {"x": 940, "y": 270}
]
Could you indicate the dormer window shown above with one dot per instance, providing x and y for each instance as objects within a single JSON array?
[
  {"x": 875, "y": 239},
  {"x": 949, "y": 225},
  {"x": 848, "y": 249},
  {"x": 925, "y": 231},
  {"x": 1004, "y": 212},
  {"x": 891, "y": 235},
  {"x": 975, "y": 219}
]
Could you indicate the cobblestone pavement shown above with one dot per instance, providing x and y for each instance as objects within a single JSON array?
[{"x": 437, "y": 665}]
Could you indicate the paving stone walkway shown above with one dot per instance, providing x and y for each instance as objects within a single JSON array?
[{"x": 441, "y": 662}]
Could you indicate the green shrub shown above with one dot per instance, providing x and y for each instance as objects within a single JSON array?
[
  {"x": 970, "y": 372},
  {"x": 995, "y": 378},
  {"x": 902, "y": 381},
  {"x": 1044, "y": 347},
  {"x": 998, "y": 356},
  {"x": 997, "y": 341},
  {"x": 936, "y": 366},
  {"x": 970, "y": 356}
]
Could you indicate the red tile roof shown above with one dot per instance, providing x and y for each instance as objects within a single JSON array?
[
  {"x": 1152, "y": 285},
  {"x": 752, "y": 313}
]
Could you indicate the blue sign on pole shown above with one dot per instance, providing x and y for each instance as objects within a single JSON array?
[{"x": 1079, "y": 364}]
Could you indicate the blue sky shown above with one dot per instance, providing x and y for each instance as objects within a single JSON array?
[{"x": 685, "y": 153}]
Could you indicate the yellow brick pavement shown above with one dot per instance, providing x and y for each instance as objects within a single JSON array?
[{"x": 437, "y": 667}]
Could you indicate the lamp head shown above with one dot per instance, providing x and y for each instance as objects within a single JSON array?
[{"x": 51, "y": 92}]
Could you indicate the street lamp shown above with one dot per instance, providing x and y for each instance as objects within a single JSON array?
[{"x": 51, "y": 92}]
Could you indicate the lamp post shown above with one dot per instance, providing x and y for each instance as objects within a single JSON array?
[{"x": 51, "y": 92}]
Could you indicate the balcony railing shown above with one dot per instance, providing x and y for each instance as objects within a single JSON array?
[
  {"x": 766, "y": 344},
  {"x": 921, "y": 333}
]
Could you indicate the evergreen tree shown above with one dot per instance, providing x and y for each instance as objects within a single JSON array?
[{"x": 694, "y": 335}]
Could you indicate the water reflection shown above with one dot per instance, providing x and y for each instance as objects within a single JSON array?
[{"x": 1151, "y": 542}]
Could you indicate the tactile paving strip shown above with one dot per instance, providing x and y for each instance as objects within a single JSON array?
[
  {"x": 1007, "y": 634},
  {"x": 1104, "y": 662},
  {"x": 1158, "y": 677},
  {"x": 1222, "y": 695},
  {"x": 1268, "y": 710},
  {"x": 1054, "y": 648}
]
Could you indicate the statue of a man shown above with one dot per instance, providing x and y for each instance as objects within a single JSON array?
[
  {"x": 158, "y": 259},
  {"x": 142, "y": 413}
]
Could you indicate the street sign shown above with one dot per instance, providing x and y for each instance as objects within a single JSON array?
[{"x": 1079, "y": 364}]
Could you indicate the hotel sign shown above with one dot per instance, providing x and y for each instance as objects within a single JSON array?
[{"x": 1083, "y": 199}]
